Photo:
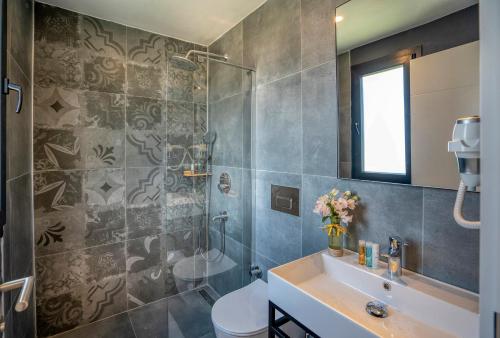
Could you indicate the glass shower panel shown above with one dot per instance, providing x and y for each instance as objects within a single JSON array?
[{"x": 230, "y": 97}]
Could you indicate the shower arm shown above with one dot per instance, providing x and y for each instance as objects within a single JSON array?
[
  {"x": 207, "y": 54},
  {"x": 217, "y": 58}
]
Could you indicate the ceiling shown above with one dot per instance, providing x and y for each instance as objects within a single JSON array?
[
  {"x": 198, "y": 21},
  {"x": 371, "y": 20}
]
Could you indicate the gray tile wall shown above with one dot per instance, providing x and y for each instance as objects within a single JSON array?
[
  {"x": 18, "y": 236},
  {"x": 292, "y": 45},
  {"x": 116, "y": 123},
  {"x": 230, "y": 115}
]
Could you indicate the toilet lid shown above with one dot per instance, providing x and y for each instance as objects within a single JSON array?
[{"x": 242, "y": 312}]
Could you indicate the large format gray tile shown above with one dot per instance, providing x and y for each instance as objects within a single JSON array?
[
  {"x": 277, "y": 234},
  {"x": 318, "y": 32},
  {"x": 248, "y": 206},
  {"x": 226, "y": 119},
  {"x": 319, "y": 120},
  {"x": 313, "y": 238},
  {"x": 451, "y": 253},
  {"x": 384, "y": 210},
  {"x": 389, "y": 209},
  {"x": 231, "y": 201},
  {"x": 278, "y": 123},
  {"x": 271, "y": 36},
  {"x": 118, "y": 326},
  {"x": 230, "y": 279},
  {"x": 251, "y": 258},
  {"x": 226, "y": 80}
]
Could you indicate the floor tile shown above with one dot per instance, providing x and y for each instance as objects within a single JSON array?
[
  {"x": 185, "y": 315},
  {"x": 118, "y": 326}
]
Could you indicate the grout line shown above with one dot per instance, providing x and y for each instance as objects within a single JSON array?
[
  {"x": 294, "y": 73},
  {"x": 125, "y": 172},
  {"x": 131, "y": 324}
]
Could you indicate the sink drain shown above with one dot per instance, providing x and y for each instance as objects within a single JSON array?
[{"x": 377, "y": 309}]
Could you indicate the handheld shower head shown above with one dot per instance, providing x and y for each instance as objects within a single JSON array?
[{"x": 210, "y": 137}]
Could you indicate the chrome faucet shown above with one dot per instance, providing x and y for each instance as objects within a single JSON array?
[{"x": 395, "y": 258}]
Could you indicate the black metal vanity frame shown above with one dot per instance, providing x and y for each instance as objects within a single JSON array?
[{"x": 275, "y": 324}]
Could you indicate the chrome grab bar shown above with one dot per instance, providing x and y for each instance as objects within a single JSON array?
[{"x": 26, "y": 285}]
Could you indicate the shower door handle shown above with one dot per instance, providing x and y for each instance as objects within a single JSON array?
[
  {"x": 26, "y": 286},
  {"x": 23, "y": 300},
  {"x": 8, "y": 86}
]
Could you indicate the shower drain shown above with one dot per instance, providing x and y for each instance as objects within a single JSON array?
[
  {"x": 377, "y": 309},
  {"x": 207, "y": 297}
]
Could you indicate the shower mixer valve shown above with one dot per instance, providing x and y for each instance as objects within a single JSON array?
[{"x": 222, "y": 217}]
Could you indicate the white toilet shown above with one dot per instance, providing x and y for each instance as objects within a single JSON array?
[{"x": 242, "y": 313}]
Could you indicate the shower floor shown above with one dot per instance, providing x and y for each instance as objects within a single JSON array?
[{"x": 185, "y": 315}]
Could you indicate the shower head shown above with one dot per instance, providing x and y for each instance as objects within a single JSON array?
[
  {"x": 209, "y": 137},
  {"x": 183, "y": 62}
]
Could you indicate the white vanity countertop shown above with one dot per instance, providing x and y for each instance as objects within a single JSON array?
[{"x": 329, "y": 295}]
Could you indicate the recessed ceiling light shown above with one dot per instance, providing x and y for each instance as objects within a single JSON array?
[{"x": 339, "y": 18}]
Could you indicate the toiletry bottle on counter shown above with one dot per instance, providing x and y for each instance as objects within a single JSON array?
[
  {"x": 368, "y": 253},
  {"x": 375, "y": 255},
  {"x": 361, "y": 252}
]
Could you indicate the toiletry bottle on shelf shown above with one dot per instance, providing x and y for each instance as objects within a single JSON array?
[
  {"x": 368, "y": 259},
  {"x": 361, "y": 251},
  {"x": 375, "y": 255}
]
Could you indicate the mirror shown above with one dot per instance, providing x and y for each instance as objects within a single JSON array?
[{"x": 406, "y": 71}]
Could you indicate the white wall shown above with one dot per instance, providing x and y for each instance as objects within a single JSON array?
[{"x": 490, "y": 163}]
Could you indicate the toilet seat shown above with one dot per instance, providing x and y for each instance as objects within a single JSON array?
[{"x": 242, "y": 312}]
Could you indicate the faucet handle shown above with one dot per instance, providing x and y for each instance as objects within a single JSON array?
[{"x": 395, "y": 246}]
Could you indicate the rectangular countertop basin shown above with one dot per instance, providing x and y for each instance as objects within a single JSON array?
[{"x": 329, "y": 295}]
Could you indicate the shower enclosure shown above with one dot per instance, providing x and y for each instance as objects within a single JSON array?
[{"x": 143, "y": 176}]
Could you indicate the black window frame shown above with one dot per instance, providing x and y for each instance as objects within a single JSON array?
[{"x": 400, "y": 58}]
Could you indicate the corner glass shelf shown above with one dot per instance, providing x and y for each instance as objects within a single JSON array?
[{"x": 190, "y": 173}]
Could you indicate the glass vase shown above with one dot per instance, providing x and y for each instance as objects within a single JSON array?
[{"x": 336, "y": 244}]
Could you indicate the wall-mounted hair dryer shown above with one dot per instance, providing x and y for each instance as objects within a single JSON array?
[{"x": 465, "y": 145}]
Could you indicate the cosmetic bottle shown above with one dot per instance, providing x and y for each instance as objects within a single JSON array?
[
  {"x": 375, "y": 255},
  {"x": 368, "y": 259},
  {"x": 361, "y": 251}
]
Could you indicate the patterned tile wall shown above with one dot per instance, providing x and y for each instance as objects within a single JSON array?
[{"x": 116, "y": 123}]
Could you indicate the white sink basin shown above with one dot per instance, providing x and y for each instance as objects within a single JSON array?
[{"x": 328, "y": 295}]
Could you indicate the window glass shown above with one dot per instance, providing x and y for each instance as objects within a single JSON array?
[{"x": 383, "y": 141}]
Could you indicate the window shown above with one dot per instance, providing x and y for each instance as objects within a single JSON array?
[{"x": 381, "y": 120}]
